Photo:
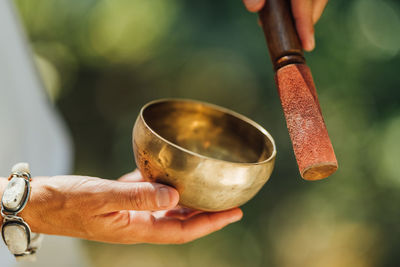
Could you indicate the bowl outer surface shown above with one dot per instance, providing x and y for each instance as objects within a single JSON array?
[{"x": 203, "y": 183}]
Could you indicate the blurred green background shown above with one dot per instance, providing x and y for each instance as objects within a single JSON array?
[{"x": 101, "y": 60}]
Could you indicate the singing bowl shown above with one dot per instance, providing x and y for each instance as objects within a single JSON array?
[{"x": 217, "y": 159}]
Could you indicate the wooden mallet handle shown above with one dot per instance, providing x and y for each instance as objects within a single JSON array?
[{"x": 280, "y": 32}]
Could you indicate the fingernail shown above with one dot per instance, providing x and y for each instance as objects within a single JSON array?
[
  {"x": 163, "y": 198},
  {"x": 311, "y": 43},
  {"x": 252, "y": 5}
]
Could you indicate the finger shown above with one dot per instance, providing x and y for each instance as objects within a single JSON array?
[
  {"x": 254, "y": 5},
  {"x": 172, "y": 230},
  {"x": 318, "y": 8},
  {"x": 117, "y": 196},
  {"x": 182, "y": 213},
  {"x": 302, "y": 13},
  {"x": 134, "y": 176}
]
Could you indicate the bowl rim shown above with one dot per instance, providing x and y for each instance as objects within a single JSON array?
[{"x": 219, "y": 108}]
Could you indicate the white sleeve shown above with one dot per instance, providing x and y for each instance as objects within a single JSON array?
[{"x": 30, "y": 129}]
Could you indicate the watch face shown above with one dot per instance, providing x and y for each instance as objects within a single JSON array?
[{"x": 16, "y": 234}]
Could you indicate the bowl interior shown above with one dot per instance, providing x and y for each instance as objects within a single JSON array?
[{"x": 208, "y": 131}]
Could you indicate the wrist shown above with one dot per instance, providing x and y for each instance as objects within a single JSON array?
[{"x": 27, "y": 213}]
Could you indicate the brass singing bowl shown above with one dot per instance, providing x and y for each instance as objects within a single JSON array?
[{"x": 217, "y": 159}]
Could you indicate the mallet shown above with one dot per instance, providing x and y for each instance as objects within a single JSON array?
[{"x": 311, "y": 144}]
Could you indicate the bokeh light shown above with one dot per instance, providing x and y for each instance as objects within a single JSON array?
[{"x": 379, "y": 23}]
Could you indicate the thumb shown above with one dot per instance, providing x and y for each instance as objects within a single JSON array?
[{"x": 138, "y": 196}]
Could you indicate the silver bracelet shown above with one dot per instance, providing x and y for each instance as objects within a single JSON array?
[{"x": 15, "y": 231}]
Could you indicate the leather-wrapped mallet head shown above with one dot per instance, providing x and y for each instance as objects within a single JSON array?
[{"x": 311, "y": 144}]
